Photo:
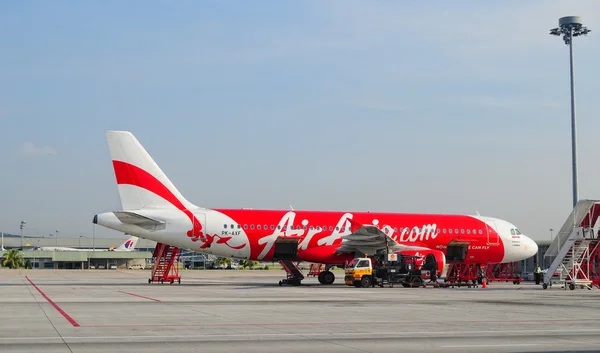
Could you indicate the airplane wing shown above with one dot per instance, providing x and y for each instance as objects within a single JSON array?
[
  {"x": 139, "y": 220},
  {"x": 369, "y": 239}
]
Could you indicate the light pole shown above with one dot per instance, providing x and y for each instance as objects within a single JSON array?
[
  {"x": 23, "y": 223},
  {"x": 56, "y": 238},
  {"x": 569, "y": 27},
  {"x": 551, "y": 230}
]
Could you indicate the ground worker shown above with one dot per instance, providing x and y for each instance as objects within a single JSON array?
[{"x": 537, "y": 273}]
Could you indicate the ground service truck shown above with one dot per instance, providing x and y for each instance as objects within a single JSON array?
[{"x": 391, "y": 269}]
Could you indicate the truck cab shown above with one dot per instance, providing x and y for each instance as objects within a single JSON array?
[{"x": 359, "y": 272}]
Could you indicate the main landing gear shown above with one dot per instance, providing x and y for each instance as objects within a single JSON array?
[{"x": 326, "y": 277}]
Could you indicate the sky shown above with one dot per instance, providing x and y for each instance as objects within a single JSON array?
[{"x": 392, "y": 106}]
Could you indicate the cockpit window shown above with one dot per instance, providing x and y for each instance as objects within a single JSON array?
[
  {"x": 516, "y": 230},
  {"x": 512, "y": 231}
]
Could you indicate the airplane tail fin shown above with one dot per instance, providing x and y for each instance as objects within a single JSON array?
[
  {"x": 128, "y": 245},
  {"x": 141, "y": 182}
]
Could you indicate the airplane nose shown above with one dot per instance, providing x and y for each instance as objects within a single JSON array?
[{"x": 529, "y": 246}]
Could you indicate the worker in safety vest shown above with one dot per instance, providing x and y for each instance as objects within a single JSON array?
[{"x": 537, "y": 273}]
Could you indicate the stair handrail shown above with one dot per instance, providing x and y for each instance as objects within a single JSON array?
[{"x": 578, "y": 214}]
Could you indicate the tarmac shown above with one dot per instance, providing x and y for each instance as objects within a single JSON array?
[{"x": 247, "y": 311}]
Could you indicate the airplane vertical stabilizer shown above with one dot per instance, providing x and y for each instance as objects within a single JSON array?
[
  {"x": 128, "y": 245},
  {"x": 141, "y": 182}
]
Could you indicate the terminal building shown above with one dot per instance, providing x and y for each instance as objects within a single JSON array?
[{"x": 99, "y": 255}]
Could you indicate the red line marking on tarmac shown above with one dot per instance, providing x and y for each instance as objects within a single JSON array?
[
  {"x": 344, "y": 323},
  {"x": 67, "y": 316},
  {"x": 141, "y": 296}
]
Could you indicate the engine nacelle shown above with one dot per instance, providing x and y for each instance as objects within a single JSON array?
[{"x": 428, "y": 259}]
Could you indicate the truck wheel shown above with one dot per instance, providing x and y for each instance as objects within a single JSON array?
[
  {"x": 416, "y": 281},
  {"x": 365, "y": 282}
]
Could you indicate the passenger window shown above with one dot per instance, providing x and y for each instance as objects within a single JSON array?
[
  {"x": 468, "y": 231},
  {"x": 450, "y": 231},
  {"x": 444, "y": 230},
  {"x": 232, "y": 226},
  {"x": 272, "y": 227},
  {"x": 245, "y": 226},
  {"x": 239, "y": 226},
  {"x": 252, "y": 226},
  {"x": 462, "y": 231},
  {"x": 480, "y": 231},
  {"x": 225, "y": 226},
  {"x": 258, "y": 226}
]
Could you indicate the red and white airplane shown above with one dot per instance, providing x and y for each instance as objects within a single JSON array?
[{"x": 153, "y": 208}]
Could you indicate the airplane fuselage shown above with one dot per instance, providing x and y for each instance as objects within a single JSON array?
[{"x": 251, "y": 234}]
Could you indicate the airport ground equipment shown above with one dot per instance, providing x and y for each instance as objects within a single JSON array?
[
  {"x": 166, "y": 264},
  {"x": 315, "y": 270},
  {"x": 388, "y": 268},
  {"x": 294, "y": 275},
  {"x": 472, "y": 275},
  {"x": 459, "y": 274},
  {"x": 575, "y": 251},
  {"x": 506, "y": 272}
]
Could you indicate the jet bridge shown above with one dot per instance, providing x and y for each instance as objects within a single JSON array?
[{"x": 574, "y": 254}]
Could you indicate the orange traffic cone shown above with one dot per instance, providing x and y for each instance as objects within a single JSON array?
[{"x": 484, "y": 283}]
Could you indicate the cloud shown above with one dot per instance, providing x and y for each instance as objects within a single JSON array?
[{"x": 30, "y": 149}]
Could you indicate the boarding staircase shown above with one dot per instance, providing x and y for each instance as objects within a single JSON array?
[
  {"x": 166, "y": 264},
  {"x": 294, "y": 275},
  {"x": 574, "y": 247}
]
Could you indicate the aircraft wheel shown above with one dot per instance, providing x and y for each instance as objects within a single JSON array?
[
  {"x": 326, "y": 277},
  {"x": 545, "y": 285},
  {"x": 571, "y": 286}
]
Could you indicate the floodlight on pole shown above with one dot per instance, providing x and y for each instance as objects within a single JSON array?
[
  {"x": 570, "y": 27},
  {"x": 23, "y": 223}
]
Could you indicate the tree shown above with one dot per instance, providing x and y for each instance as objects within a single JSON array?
[
  {"x": 223, "y": 261},
  {"x": 248, "y": 263},
  {"x": 13, "y": 259}
]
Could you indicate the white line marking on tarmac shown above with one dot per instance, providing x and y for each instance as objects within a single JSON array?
[
  {"x": 491, "y": 345},
  {"x": 308, "y": 334}
]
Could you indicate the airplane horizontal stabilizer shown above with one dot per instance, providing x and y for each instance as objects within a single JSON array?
[{"x": 140, "y": 221}]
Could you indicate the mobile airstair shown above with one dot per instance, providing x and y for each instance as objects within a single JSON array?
[
  {"x": 573, "y": 254},
  {"x": 166, "y": 264}
]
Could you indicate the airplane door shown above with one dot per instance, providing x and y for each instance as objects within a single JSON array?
[
  {"x": 197, "y": 231},
  {"x": 492, "y": 233}
]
